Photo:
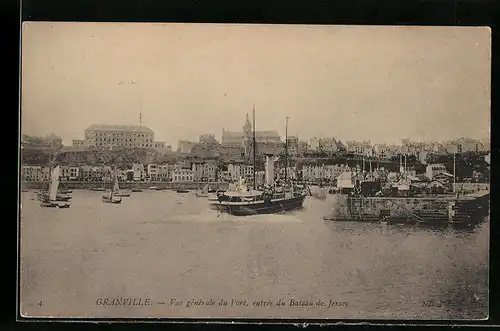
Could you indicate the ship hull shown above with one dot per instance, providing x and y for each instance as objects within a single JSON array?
[
  {"x": 60, "y": 198},
  {"x": 111, "y": 200},
  {"x": 407, "y": 210},
  {"x": 256, "y": 208}
]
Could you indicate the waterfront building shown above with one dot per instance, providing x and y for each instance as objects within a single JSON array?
[
  {"x": 240, "y": 169},
  {"x": 109, "y": 136},
  {"x": 85, "y": 173},
  {"x": 204, "y": 171},
  {"x": 182, "y": 175},
  {"x": 31, "y": 173},
  {"x": 313, "y": 171},
  {"x": 70, "y": 172},
  {"x": 332, "y": 171},
  {"x": 291, "y": 172},
  {"x": 122, "y": 175},
  {"x": 139, "y": 173},
  {"x": 158, "y": 172},
  {"x": 224, "y": 176}
]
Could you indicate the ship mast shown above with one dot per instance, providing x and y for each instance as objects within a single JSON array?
[
  {"x": 286, "y": 147},
  {"x": 253, "y": 147},
  {"x": 454, "y": 173}
]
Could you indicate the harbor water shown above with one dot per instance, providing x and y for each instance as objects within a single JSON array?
[{"x": 170, "y": 248}]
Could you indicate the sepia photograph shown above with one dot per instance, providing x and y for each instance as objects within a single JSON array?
[{"x": 252, "y": 171}]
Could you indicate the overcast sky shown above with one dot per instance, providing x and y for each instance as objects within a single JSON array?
[{"x": 353, "y": 83}]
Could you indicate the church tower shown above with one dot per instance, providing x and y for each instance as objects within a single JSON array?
[
  {"x": 247, "y": 138},
  {"x": 247, "y": 128}
]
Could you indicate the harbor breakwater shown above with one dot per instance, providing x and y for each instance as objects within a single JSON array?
[{"x": 129, "y": 185}]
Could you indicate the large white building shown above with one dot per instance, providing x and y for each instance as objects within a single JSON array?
[{"x": 109, "y": 136}]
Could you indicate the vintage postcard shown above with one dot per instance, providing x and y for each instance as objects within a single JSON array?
[{"x": 254, "y": 171}]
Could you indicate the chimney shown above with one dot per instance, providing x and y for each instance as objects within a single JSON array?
[{"x": 269, "y": 170}]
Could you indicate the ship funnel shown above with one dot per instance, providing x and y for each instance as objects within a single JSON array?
[{"x": 269, "y": 170}]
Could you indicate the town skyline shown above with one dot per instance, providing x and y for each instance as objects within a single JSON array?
[{"x": 381, "y": 84}]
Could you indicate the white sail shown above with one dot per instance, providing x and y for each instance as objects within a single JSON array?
[
  {"x": 116, "y": 188},
  {"x": 205, "y": 189},
  {"x": 54, "y": 183}
]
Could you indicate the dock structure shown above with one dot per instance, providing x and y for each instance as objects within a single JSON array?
[{"x": 450, "y": 208}]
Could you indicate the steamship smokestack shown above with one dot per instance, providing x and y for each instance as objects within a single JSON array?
[{"x": 269, "y": 170}]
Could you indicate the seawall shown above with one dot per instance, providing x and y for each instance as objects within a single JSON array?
[{"x": 128, "y": 185}]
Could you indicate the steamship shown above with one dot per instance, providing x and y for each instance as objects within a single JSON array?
[{"x": 271, "y": 198}]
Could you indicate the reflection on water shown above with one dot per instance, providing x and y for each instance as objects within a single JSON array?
[{"x": 166, "y": 245}]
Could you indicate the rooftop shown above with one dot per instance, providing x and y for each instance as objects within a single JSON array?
[
  {"x": 258, "y": 134},
  {"x": 122, "y": 128}
]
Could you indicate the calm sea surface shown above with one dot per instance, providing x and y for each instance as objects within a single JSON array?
[{"x": 163, "y": 245}]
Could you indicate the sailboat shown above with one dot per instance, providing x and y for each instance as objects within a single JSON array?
[
  {"x": 50, "y": 199},
  {"x": 111, "y": 195},
  {"x": 203, "y": 193},
  {"x": 272, "y": 199},
  {"x": 181, "y": 190},
  {"x": 53, "y": 182},
  {"x": 119, "y": 192}
]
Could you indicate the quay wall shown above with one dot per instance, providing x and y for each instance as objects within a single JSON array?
[
  {"x": 128, "y": 185},
  {"x": 471, "y": 187},
  {"x": 345, "y": 208}
]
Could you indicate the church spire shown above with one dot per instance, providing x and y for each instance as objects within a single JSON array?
[{"x": 247, "y": 128}]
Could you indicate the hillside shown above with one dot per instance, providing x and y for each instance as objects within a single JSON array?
[{"x": 122, "y": 158}]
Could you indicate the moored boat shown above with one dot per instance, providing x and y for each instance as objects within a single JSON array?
[
  {"x": 203, "y": 193},
  {"x": 110, "y": 196},
  {"x": 51, "y": 198},
  {"x": 124, "y": 194},
  {"x": 273, "y": 198},
  {"x": 259, "y": 202},
  {"x": 48, "y": 204},
  {"x": 136, "y": 189}
]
